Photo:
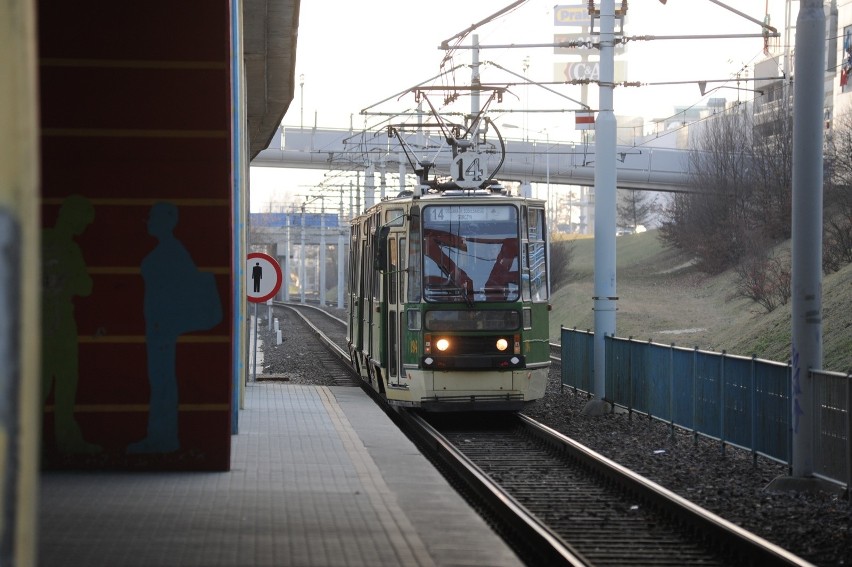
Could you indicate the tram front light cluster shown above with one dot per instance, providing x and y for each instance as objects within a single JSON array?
[
  {"x": 441, "y": 344},
  {"x": 502, "y": 344}
]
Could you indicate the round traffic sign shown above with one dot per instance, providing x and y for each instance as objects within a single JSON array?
[{"x": 263, "y": 277}]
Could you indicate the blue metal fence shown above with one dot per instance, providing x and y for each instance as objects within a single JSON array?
[{"x": 738, "y": 400}]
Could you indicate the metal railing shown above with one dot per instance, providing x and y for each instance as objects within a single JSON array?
[{"x": 738, "y": 400}]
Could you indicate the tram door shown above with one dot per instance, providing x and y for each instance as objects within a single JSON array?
[{"x": 395, "y": 310}]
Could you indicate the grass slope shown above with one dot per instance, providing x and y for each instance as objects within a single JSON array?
[{"x": 662, "y": 297}]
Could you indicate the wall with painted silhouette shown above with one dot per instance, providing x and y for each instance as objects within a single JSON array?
[{"x": 136, "y": 213}]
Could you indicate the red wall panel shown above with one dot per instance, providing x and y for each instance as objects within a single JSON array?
[{"x": 135, "y": 110}]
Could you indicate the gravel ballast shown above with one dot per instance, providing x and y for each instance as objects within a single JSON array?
[{"x": 728, "y": 482}]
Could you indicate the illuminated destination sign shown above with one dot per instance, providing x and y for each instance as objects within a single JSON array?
[{"x": 466, "y": 213}]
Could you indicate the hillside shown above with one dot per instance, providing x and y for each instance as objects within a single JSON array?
[{"x": 663, "y": 298}]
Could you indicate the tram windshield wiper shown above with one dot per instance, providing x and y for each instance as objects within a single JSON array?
[{"x": 461, "y": 288}]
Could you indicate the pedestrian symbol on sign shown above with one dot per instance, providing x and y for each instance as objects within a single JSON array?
[{"x": 264, "y": 277}]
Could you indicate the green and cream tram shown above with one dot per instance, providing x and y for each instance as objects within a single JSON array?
[{"x": 448, "y": 299}]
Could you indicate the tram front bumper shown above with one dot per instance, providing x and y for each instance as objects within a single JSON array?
[{"x": 473, "y": 362}]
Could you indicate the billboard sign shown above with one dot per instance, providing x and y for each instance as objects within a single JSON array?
[
  {"x": 571, "y": 15},
  {"x": 587, "y": 70}
]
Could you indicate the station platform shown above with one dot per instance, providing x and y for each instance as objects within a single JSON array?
[{"x": 320, "y": 477}]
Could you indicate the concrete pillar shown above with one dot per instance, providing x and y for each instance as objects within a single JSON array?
[{"x": 20, "y": 337}]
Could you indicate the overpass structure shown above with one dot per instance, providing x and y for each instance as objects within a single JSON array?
[{"x": 527, "y": 161}]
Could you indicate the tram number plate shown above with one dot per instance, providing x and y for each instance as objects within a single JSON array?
[{"x": 469, "y": 170}]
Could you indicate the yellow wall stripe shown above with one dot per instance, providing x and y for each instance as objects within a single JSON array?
[
  {"x": 131, "y": 133},
  {"x": 147, "y": 202},
  {"x": 140, "y": 339},
  {"x": 133, "y": 271},
  {"x": 132, "y": 408},
  {"x": 131, "y": 64}
]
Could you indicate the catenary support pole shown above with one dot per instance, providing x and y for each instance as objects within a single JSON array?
[
  {"x": 285, "y": 285},
  {"x": 322, "y": 265},
  {"x": 254, "y": 348},
  {"x": 809, "y": 93},
  {"x": 605, "y": 181},
  {"x": 302, "y": 272},
  {"x": 341, "y": 263},
  {"x": 369, "y": 186}
]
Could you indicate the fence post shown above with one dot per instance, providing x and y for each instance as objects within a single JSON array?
[
  {"x": 608, "y": 376},
  {"x": 647, "y": 388},
  {"x": 753, "y": 412},
  {"x": 590, "y": 359},
  {"x": 562, "y": 370},
  {"x": 722, "y": 402},
  {"x": 630, "y": 378},
  {"x": 695, "y": 396},
  {"x": 790, "y": 421},
  {"x": 671, "y": 388},
  {"x": 848, "y": 437}
]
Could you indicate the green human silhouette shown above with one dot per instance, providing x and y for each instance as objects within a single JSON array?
[{"x": 64, "y": 277}]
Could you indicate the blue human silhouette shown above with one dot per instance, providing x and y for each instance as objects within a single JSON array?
[{"x": 171, "y": 307}]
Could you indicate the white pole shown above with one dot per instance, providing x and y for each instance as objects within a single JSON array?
[
  {"x": 254, "y": 371},
  {"x": 808, "y": 97},
  {"x": 605, "y": 181},
  {"x": 286, "y": 283},
  {"x": 341, "y": 260},
  {"x": 369, "y": 186},
  {"x": 322, "y": 256},
  {"x": 302, "y": 274}
]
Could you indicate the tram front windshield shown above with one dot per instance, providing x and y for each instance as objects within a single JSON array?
[{"x": 470, "y": 253}]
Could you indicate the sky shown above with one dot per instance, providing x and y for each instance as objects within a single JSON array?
[{"x": 356, "y": 55}]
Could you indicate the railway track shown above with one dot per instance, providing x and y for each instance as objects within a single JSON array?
[
  {"x": 559, "y": 503},
  {"x": 604, "y": 513},
  {"x": 330, "y": 357}
]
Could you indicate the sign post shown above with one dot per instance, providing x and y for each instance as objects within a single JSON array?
[{"x": 264, "y": 277}]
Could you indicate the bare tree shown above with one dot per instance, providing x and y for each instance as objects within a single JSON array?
[
  {"x": 741, "y": 188},
  {"x": 561, "y": 253},
  {"x": 837, "y": 238},
  {"x": 772, "y": 173},
  {"x": 712, "y": 221},
  {"x": 635, "y": 207}
]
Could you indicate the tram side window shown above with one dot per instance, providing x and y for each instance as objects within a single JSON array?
[
  {"x": 392, "y": 270},
  {"x": 366, "y": 268},
  {"x": 362, "y": 274},
  {"x": 375, "y": 275},
  {"x": 353, "y": 260},
  {"x": 414, "y": 262},
  {"x": 401, "y": 269},
  {"x": 537, "y": 254}
]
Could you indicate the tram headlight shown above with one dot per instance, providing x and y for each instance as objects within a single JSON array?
[
  {"x": 442, "y": 344},
  {"x": 502, "y": 344}
]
